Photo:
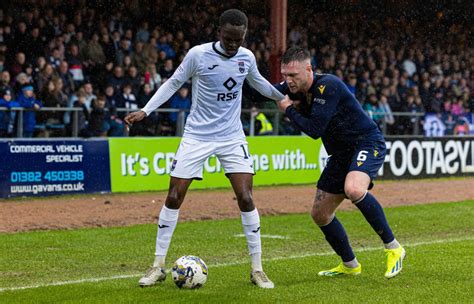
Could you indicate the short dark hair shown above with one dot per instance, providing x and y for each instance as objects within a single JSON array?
[
  {"x": 233, "y": 17},
  {"x": 295, "y": 53}
]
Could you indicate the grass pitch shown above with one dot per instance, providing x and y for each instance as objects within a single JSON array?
[{"x": 102, "y": 265}]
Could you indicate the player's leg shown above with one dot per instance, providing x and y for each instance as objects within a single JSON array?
[
  {"x": 242, "y": 185},
  {"x": 329, "y": 195},
  {"x": 166, "y": 224},
  {"x": 169, "y": 217},
  {"x": 363, "y": 169},
  {"x": 238, "y": 166},
  {"x": 323, "y": 214},
  {"x": 187, "y": 166}
]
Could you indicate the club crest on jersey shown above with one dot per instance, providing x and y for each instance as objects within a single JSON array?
[
  {"x": 321, "y": 89},
  {"x": 241, "y": 66},
  {"x": 359, "y": 163}
]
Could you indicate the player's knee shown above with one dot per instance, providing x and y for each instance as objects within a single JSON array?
[
  {"x": 245, "y": 202},
  {"x": 354, "y": 191},
  {"x": 174, "y": 200},
  {"x": 319, "y": 215}
]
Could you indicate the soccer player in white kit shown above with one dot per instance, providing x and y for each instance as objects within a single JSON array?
[{"x": 218, "y": 70}]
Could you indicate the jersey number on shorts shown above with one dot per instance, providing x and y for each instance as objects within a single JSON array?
[
  {"x": 245, "y": 152},
  {"x": 362, "y": 156}
]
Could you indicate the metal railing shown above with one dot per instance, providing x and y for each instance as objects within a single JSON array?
[{"x": 273, "y": 115}]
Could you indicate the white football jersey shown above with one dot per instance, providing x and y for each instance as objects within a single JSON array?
[{"x": 217, "y": 81}]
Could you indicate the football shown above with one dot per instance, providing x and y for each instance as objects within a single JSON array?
[{"x": 189, "y": 272}]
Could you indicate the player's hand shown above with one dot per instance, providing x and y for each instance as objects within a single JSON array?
[
  {"x": 284, "y": 103},
  {"x": 134, "y": 117}
]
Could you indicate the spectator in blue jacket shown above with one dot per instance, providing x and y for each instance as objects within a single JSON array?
[
  {"x": 180, "y": 101},
  {"x": 7, "y": 117},
  {"x": 27, "y": 100}
]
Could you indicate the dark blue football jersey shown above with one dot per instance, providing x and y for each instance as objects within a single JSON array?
[{"x": 331, "y": 112}]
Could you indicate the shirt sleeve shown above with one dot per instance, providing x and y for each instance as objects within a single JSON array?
[
  {"x": 186, "y": 70},
  {"x": 259, "y": 83},
  {"x": 321, "y": 115}
]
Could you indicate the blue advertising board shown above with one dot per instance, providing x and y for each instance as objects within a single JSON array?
[{"x": 31, "y": 167}]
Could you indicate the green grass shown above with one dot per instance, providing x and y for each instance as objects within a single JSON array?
[{"x": 433, "y": 272}]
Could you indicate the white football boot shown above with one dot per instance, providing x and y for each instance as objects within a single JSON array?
[
  {"x": 153, "y": 275},
  {"x": 260, "y": 279}
]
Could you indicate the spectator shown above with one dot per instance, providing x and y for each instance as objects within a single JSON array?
[
  {"x": 457, "y": 108},
  {"x": 108, "y": 48},
  {"x": 139, "y": 58},
  {"x": 165, "y": 47},
  {"x": 75, "y": 65},
  {"x": 55, "y": 58},
  {"x": 352, "y": 83},
  {"x": 133, "y": 79},
  {"x": 68, "y": 81},
  {"x": 47, "y": 96},
  {"x": 98, "y": 123},
  {"x": 154, "y": 78},
  {"x": 372, "y": 108},
  {"x": 7, "y": 117},
  {"x": 126, "y": 99},
  {"x": 384, "y": 107},
  {"x": 117, "y": 80},
  {"x": 167, "y": 69},
  {"x": 462, "y": 127},
  {"x": 182, "y": 102},
  {"x": 143, "y": 35},
  {"x": 262, "y": 125},
  {"x": 28, "y": 101},
  {"x": 21, "y": 80},
  {"x": 83, "y": 116},
  {"x": 19, "y": 66},
  {"x": 44, "y": 76},
  {"x": 111, "y": 97},
  {"x": 450, "y": 123},
  {"x": 5, "y": 82},
  {"x": 94, "y": 51}
]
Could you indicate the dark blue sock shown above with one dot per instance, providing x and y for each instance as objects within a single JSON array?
[
  {"x": 337, "y": 238},
  {"x": 374, "y": 214}
]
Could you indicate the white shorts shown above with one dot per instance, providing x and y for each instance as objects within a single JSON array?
[{"x": 234, "y": 157}]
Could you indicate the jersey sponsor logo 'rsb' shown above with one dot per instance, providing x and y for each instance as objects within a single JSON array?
[{"x": 229, "y": 84}]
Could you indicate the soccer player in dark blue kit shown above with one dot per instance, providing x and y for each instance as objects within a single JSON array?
[{"x": 322, "y": 106}]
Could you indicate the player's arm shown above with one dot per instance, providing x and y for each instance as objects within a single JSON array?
[
  {"x": 186, "y": 70},
  {"x": 255, "y": 96},
  {"x": 320, "y": 115},
  {"x": 259, "y": 83}
]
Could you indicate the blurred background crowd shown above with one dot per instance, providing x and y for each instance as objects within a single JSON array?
[{"x": 108, "y": 56}]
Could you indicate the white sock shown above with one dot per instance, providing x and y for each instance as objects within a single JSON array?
[
  {"x": 159, "y": 261},
  {"x": 166, "y": 225},
  {"x": 251, "y": 225},
  {"x": 351, "y": 264},
  {"x": 392, "y": 245}
]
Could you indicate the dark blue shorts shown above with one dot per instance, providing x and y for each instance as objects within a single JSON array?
[{"x": 367, "y": 157}]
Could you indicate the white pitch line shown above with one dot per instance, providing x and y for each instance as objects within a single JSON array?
[
  {"x": 266, "y": 236},
  {"x": 127, "y": 276}
]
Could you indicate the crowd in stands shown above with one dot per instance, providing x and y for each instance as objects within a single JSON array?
[{"x": 104, "y": 59}]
